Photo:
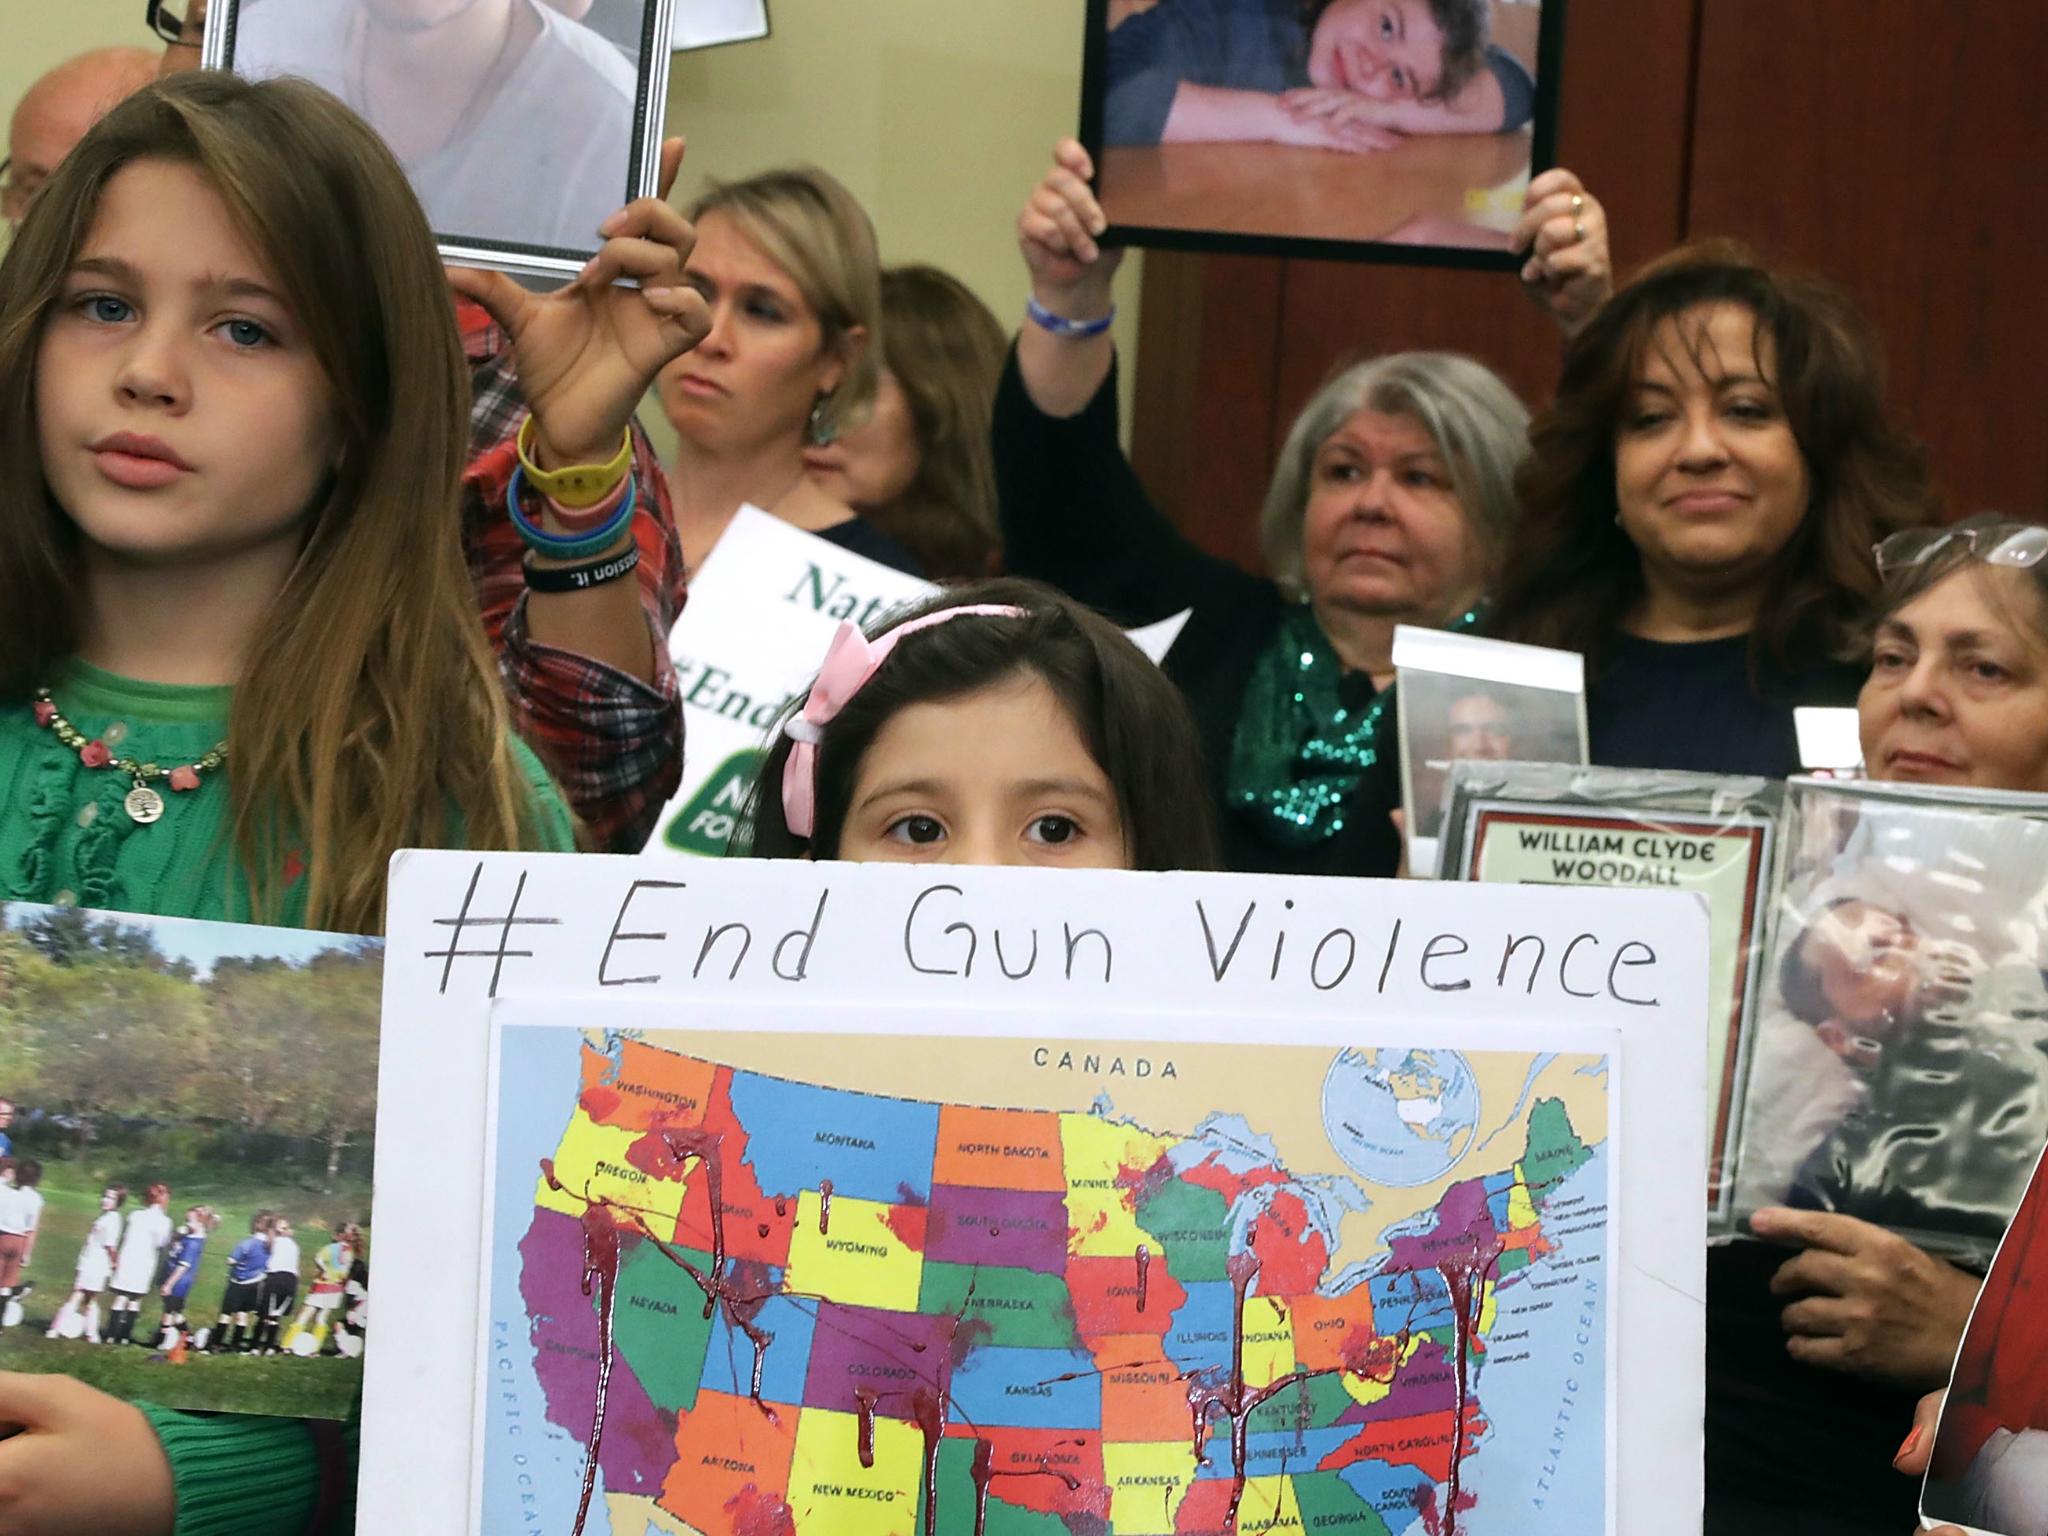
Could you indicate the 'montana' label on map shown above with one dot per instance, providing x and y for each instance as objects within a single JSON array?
[{"x": 751, "y": 1284}]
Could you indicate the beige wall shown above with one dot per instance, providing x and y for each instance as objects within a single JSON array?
[
  {"x": 34, "y": 34},
  {"x": 939, "y": 114}
]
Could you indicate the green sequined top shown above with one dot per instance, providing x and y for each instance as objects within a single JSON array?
[{"x": 66, "y": 838}]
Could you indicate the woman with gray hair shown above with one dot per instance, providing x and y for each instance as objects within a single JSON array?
[{"x": 1391, "y": 504}]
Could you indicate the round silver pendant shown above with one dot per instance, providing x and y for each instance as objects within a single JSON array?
[{"x": 144, "y": 804}]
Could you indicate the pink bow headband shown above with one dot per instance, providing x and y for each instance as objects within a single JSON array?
[{"x": 849, "y": 663}]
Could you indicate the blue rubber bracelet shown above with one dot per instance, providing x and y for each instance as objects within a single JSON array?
[
  {"x": 546, "y": 544},
  {"x": 1060, "y": 325}
]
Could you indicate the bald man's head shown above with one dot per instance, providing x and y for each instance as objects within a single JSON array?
[{"x": 58, "y": 110}]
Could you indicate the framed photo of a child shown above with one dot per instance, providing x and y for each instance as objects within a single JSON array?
[
  {"x": 1391, "y": 130},
  {"x": 522, "y": 124},
  {"x": 1899, "y": 1069}
]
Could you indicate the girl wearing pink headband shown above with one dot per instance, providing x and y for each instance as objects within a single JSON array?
[{"x": 1000, "y": 723}]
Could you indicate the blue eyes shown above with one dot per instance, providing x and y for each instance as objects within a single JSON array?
[{"x": 109, "y": 309}]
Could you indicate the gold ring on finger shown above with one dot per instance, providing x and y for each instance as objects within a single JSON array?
[
  {"x": 1578, "y": 204},
  {"x": 1578, "y": 231}
]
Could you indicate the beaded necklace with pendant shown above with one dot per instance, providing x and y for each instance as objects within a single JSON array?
[{"x": 144, "y": 802}]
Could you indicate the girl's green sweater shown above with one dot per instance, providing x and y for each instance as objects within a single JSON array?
[{"x": 66, "y": 838}]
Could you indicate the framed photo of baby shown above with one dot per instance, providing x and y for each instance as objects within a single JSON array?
[
  {"x": 1387, "y": 130},
  {"x": 521, "y": 124},
  {"x": 1899, "y": 1065}
]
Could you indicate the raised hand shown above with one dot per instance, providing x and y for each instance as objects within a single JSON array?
[
  {"x": 588, "y": 352},
  {"x": 1057, "y": 233},
  {"x": 1564, "y": 229}
]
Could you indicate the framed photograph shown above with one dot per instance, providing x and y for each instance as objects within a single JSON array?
[
  {"x": 1461, "y": 698},
  {"x": 709, "y": 23},
  {"x": 1633, "y": 829},
  {"x": 187, "y": 1118},
  {"x": 1989, "y": 1472},
  {"x": 1377, "y": 130},
  {"x": 1899, "y": 1070},
  {"x": 521, "y": 123}
]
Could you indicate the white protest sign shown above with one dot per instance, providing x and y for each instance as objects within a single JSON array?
[
  {"x": 1301, "y": 961},
  {"x": 761, "y": 613}
]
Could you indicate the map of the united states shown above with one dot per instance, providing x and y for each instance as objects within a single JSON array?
[{"x": 759, "y": 1307}]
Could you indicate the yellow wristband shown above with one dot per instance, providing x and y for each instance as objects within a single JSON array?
[{"x": 580, "y": 485}]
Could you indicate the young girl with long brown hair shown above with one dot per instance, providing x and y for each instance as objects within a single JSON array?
[
  {"x": 241, "y": 662},
  {"x": 233, "y": 410}
]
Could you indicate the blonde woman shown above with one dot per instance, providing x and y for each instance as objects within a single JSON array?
[{"x": 785, "y": 263}]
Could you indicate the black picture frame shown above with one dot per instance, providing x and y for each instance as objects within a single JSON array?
[
  {"x": 541, "y": 260},
  {"x": 1542, "y": 157}
]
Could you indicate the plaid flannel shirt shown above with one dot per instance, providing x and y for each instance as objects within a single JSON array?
[{"x": 613, "y": 742}]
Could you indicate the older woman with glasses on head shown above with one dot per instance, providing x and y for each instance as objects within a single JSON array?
[{"x": 1814, "y": 1360}]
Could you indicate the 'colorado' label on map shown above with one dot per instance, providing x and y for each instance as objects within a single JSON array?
[{"x": 743, "y": 1283}]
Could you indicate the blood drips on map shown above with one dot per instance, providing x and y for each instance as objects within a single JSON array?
[
  {"x": 1390, "y": 1373},
  {"x": 600, "y": 1267},
  {"x": 982, "y": 1471},
  {"x": 864, "y": 1399},
  {"x": 754, "y": 1513},
  {"x": 930, "y": 1408},
  {"x": 1467, "y": 1284}
]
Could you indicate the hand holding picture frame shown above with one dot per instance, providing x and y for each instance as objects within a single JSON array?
[
  {"x": 520, "y": 124},
  {"x": 1899, "y": 1063},
  {"x": 1381, "y": 130}
]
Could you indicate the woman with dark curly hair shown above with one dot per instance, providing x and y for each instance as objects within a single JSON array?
[
  {"x": 1699, "y": 507},
  {"x": 1699, "y": 511}
]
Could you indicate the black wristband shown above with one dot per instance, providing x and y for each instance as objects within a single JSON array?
[{"x": 581, "y": 578}]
